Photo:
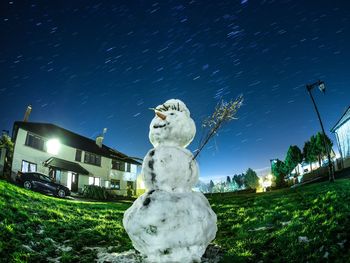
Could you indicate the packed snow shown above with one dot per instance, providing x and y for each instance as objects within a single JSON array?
[{"x": 170, "y": 223}]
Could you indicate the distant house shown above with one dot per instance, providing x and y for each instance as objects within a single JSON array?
[
  {"x": 342, "y": 133},
  {"x": 71, "y": 159}
]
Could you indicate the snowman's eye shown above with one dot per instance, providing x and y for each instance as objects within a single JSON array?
[{"x": 172, "y": 114}]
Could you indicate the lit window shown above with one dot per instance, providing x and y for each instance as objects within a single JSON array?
[
  {"x": 91, "y": 180},
  {"x": 97, "y": 181},
  {"x": 107, "y": 184},
  {"x": 94, "y": 181},
  {"x": 115, "y": 184},
  {"x": 28, "y": 167}
]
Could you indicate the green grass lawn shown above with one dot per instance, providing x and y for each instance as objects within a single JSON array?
[{"x": 306, "y": 224}]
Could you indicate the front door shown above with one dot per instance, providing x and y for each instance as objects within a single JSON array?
[
  {"x": 55, "y": 175},
  {"x": 75, "y": 180}
]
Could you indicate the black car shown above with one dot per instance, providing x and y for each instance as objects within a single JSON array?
[{"x": 41, "y": 182}]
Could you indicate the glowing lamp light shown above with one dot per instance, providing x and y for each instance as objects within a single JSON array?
[
  {"x": 322, "y": 87},
  {"x": 53, "y": 146},
  {"x": 266, "y": 182}
]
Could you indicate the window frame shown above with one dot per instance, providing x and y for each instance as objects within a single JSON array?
[
  {"x": 114, "y": 183},
  {"x": 28, "y": 170},
  {"x": 128, "y": 167},
  {"x": 80, "y": 155},
  {"x": 93, "y": 159},
  {"x": 118, "y": 165},
  {"x": 94, "y": 180},
  {"x": 29, "y": 142}
]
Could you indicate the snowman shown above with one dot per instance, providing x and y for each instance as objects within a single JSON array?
[{"x": 170, "y": 223}]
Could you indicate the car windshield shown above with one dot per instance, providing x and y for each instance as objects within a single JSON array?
[{"x": 45, "y": 178}]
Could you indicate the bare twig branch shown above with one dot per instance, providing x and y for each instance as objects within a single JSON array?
[{"x": 223, "y": 113}]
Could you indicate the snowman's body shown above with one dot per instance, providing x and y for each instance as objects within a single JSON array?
[{"x": 170, "y": 223}]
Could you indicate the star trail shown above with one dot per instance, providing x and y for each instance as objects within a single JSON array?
[{"x": 87, "y": 65}]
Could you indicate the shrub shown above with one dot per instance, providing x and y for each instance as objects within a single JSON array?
[{"x": 95, "y": 192}]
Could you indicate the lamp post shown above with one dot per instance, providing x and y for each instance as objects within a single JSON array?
[{"x": 322, "y": 88}]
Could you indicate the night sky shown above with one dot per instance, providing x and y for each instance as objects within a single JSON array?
[{"x": 87, "y": 65}]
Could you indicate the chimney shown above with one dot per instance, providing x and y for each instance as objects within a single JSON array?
[
  {"x": 99, "y": 139},
  {"x": 28, "y": 111}
]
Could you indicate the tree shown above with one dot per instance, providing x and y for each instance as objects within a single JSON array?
[
  {"x": 309, "y": 152},
  {"x": 279, "y": 171},
  {"x": 321, "y": 150},
  {"x": 5, "y": 142},
  {"x": 219, "y": 187},
  {"x": 202, "y": 187},
  {"x": 231, "y": 187},
  {"x": 251, "y": 179},
  {"x": 293, "y": 158},
  {"x": 228, "y": 180},
  {"x": 239, "y": 180},
  {"x": 211, "y": 186}
]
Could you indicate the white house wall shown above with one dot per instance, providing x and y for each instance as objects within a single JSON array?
[
  {"x": 23, "y": 152},
  {"x": 343, "y": 133},
  {"x": 124, "y": 176},
  {"x": 104, "y": 172}
]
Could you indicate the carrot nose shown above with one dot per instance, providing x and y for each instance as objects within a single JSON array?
[{"x": 160, "y": 115}]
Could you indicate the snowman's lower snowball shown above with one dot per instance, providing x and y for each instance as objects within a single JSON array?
[{"x": 171, "y": 227}]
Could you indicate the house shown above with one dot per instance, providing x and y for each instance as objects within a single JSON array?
[
  {"x": 71, "y": 159},
  {"x": 342, "y": 133}
]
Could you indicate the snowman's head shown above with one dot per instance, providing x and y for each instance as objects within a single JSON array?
[{"x": 172, "y": 125}]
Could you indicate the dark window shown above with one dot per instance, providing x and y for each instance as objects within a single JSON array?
[
  {"x": 28, "y": 167},
  {"x": 118, "y": 165},
  {"x": 115, "y": 184},
  {"x": 35, "y": 141},
  {"x": 130, "y": 184},
  {"x": 91, "y": 158},
  {"x": 78, "y": 155},
  {"x": 128, "y": 167}
]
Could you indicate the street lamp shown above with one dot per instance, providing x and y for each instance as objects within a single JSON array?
[{"x": 322, "y": 88}]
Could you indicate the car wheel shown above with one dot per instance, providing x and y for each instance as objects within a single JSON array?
[
  {"x": 61, "y": 193},
  {"x": 28, "y": 185}
]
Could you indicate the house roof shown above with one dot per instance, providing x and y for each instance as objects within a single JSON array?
[
  {"x": 71, "y": 139},
  {"x": 65, "y": 165},
  {"x": 344, "y": 118}
]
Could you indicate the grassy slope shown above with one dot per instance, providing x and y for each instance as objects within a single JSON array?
[
  {"x": 24, "y": 214},
  {"x": 320, "y": 212}
]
